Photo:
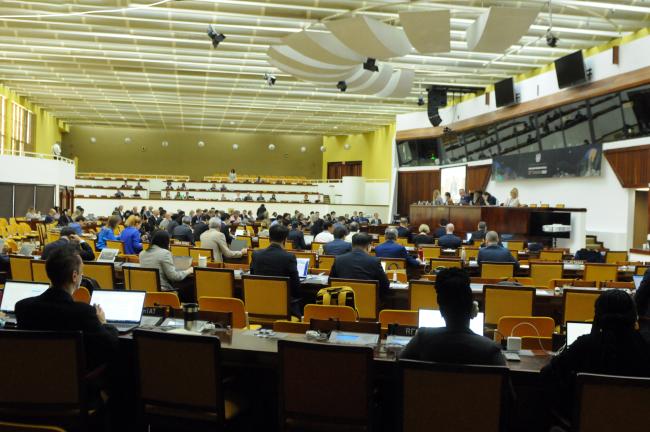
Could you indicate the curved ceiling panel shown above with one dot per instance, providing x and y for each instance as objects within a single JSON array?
[
  {"x": 370, "y": 38},
  {"x": 377, "y": 82},
  {"x": 323, "y": 47},
  {"x": 327, "y": 78},
  {"x": 296, "y": 60},
  {"x": 499, "y": 28},
  {"x": 400, "y": 84},
  {"x": 428, "y": 31}
]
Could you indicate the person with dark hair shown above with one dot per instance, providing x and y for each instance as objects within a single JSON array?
[
  {"x": 403, "y": 230},
  {"x": 56, "y": 310},
  {"x": 643, "y": 296},
  {"x": 201, "y": 226},
  {"x": 455, "y": 343},
  {"x": 296, "y": 236},
  {"x": 614, "y": 347},
  {"x": 275, "y": 261},
  {"x": 359, "y": 264},
  {"x": 107, "y": 232},
  {"x": 338, "y": 246},
  {"x": 76, "y": 224},
  {"x": 391, "y": 249},
  {"x": 174, "y": 222},
  {"x": 69, "y": 236},
  {"x": 64, "y": 218},
  {"x": 479, "y": 234},
  {"x": 184, "y": 232},
  {"x": 327, "y": 234},
  {"x": 442, "y": 229},
  {"x": 159, "y": 257}
]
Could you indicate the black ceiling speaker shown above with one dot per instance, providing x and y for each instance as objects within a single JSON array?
[{"x": 437, "y": 99}]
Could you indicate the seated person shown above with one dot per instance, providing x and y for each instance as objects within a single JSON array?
[
  {"x": 305, "y": 198},
  {"x": 449, "y": 240},
  {"x": 184, "y": 232},
  {"x": 50, "y": 216},
  {"x": 138, "y": 186},
  {"x": 275, "y": 261},
  {"x": 107, "y": 232},
  {"x": 455, "y": 343},
  {"x": 375, "y": 219},
  {"x": 183, "y": 187},
  {"x": 201, "y": 226},
  {"x": 423, "y": 237},
  {"x": 272, "y": 199},
  {"x": 260, "y": 198},
  {"x": 489, "y": 198},
  {"x": 223, "y": 188},
  {"x": 119, "y": 194},
  {"x": 69, "y": 236},
  {"x": 465, "y": 199},
  {"x": 136, "y": 194},
  {"x": 159, "y": 257},
  {"x": 214, "y": 187},
  {"x": 76, "y": 225},
  {"x": 590, "y": 255},
  {"x": 125, "y": 185},
  {"x": 359, "y": 264},
  {"x": 248, "y": 197},
  {"x": 338, "y": 246},
  {"x": 178, "y": 196},
  {"x": 362, "y": 219},
  {"x": 354, "y": 228},
  {"x": 480, "y": 234},
  {"x": 296, "y": 236},
  {"x": 614, "y": 347},
  {"x": 32, "y": 214},
  {"x": 442, "y": 229},
  {"x": 642, "y": 296},
  {"x": 403, "y": 229},
  {"x": 131, "y": 236},
  {"x": 214, "y": 239},
  {"x": 56, "y": 310},
  {"x": 492, "y": 252},
  {"x": 448, "y": 200},
  {"x": 391, "y": 249},
  {"x": 327, "y": 235}
]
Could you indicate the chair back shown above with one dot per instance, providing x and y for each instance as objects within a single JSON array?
[
  {"x": 197, "y": 252},
  {"x": 397, "y": 276},
  {"x": 179, "y": 249},
  {"x": 394, "y": 263},
  {"x": 247, "y": 239},
  {"x": 422, "y": 295},
  {"x": 226, "y": 304},
  {"x": 606, "y": 402},
  {"x": 600, "y": 272},
  {"x": 266, "y": 297},
  {"x": 446, "y": 263},
  {"x": 543, "y": 273},
  {"x": 429, "y": 252},
  {"x": 578, "y": 305},
  {"x": 284, "y": 326},
  {"x": 471, "y": 253},
  {"x": 154, "y": 299},
  {"x": 503, "y": 301},
  {"x": 366, "y": 295},
  {"x": 81, "y": 295},
  {"x": 516, "y": 245},
  {"x": 141, "y": 279},
  {"x": 497, "y": 270},
  {"x": 195, "y": 391},
  {"x": 315, "y": 246},
  {"x": 263, "y": 242},
  {"x": 21, "y": 267},
  {"x": 38, "y": 271},
  {"x": 341, "y": 313},
  {"x": 641, "y": 270},
  {"x": 432, "y": 392},
  {"x": 103, "y": 273},
  {"x": 613, "y": 257},
  {"x": 310, "y": 255},
  {"x": 619, "y": 285},
  {"x": 91, "y": 243},
  {"x": 212, "y": 282},
  {"x": 521, "y": 326},
  {"x": 115, "y": 244},
  {"x": 326, "y": 262},
  {"x": 313, "y": 397},
  {"x": 551, "y": 255},
  {"x": 407, "y": 318}
]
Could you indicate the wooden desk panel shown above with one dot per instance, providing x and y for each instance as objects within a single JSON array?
[{"x": 465, "y": 218}]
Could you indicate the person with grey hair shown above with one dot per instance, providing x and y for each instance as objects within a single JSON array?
[
  {"x": 184, "y": 232},
  {"x": 492, "y": 252},
  {"x": 449, "y": 240},
  {"x": 403, "y": 229},
  {"x": 214, "y": 239},
  {"x": 479, "y": 235},
  {"x": 391, "y": 249}
]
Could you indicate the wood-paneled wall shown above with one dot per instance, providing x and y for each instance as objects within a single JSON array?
[
  {"x": 478, "y": 177},
  {"x": 631, "y": 165}
]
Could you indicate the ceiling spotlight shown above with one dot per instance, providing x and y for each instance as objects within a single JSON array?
[
  {"x": 551, "y": 39},
  {"x": 235, "y": 146},
  {"x": 127, "y": 140},
  {"x": 370, "y": 65},
  {"x": 201, "y": 144},
  {"x": 342, "y": 85},
  {"x": 303, "y": 149},
  {"x": 271, "y": 147},
  {"x": 420, "y": 100},
  {"x": 93, "y": 140},
  {"x": 165, "y": 143},
  {"x": 270, "y": 79},
  {"x": 216, "y": 37},
  {"x": 322, "y": 149}
]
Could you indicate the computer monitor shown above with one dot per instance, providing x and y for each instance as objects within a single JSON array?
[
  {"x": 468, "y": 237},
  {"x": 303, "y": 266},
  {"x": 575, "y": 329},
  {"x": 637, "y": 281},
  {"x": 433, "y": 318},
  {"x": 120, "y": 306},
  {"x": 108, "y": 255},
  {"x": 238, "y": 244},
  {"x": 16, "y": 291}
]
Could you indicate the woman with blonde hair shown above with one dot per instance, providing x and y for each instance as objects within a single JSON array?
[
  {"x": 437, "y": 198},
  {"x": 424, "y": 236},
  {"x": 513, "y": 201},
  {"x": 131, "y": 235}
]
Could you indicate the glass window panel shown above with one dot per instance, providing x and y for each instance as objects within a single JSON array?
[
  {"x": 551, "y": 134},
  {"x": 575, "y": 123},
  {"x": 607, "y": 118}
]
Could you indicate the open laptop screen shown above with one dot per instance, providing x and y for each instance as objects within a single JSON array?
[
  {"x": 120, "y": 306},
  {"x": 469, "y": 237},
  {"x": 16, "y": 291},
  {"x": 433, "y": 318},
  {"x": 576, "y": 329},
  {"x": 303, "y": 266},
  {"x": 637, "y": 281},
  {"x": 108, "y": 255}
]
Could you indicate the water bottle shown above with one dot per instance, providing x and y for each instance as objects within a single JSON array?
[{"x": 463, "y": 254}]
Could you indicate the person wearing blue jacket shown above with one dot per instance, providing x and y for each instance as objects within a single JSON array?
[
  {"x": 107, "y": 232},
  {"x": 391, "y": 249},
  {"x": 131, "y": 235}
]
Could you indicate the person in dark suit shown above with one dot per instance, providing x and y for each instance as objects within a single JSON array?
[
  {"x": 275, "y": 261},
  {"x": 184, "y": 232},
  {"x": 614, "y": 347},
  {"x": 642, "y": 296},
  {"x": 201, "y": 226},
  {"x": 174, "y": 222},
  {"x": 492, "y": 252},
  {"x": 338, "y": 246},
  {"x": 442, "y": 229},
  {"x": 69, "y": 237},
  {"x": 480, "y": 233},
  {"x": 296, "y": 236},
  {"x": 455, "y": 343},
  {"x": 403, "y": 229},
  {"x": 56, "y": 310},
  {"x": 391, "y": 249},
  {"x": 358, "y": 264},
  {"x": 424, "y": 237},
  {"x": 449, "y": 240}
]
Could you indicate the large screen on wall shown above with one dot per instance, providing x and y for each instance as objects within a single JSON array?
[
  {"x": 580, "y": 161},
  {"x": 452, "y": 179}
]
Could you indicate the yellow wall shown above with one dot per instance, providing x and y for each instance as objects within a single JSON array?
[
  {"x": 47, "y": 130},
  {"x": 373, "y": 149}
]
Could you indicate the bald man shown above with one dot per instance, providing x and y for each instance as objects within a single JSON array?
[{"x": 449, "y": 240}]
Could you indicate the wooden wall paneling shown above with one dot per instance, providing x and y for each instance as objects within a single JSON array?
[
  {"x": 506, "y": 220},
  {"x": 478, "y": 177},
  {"x": 414, "y": 186},
  {"x": 429, "y": 215},
  {"x": 631, "y": 165},
  {"x": 338, "y": 170},
  {"x": 465, "y": 218}
]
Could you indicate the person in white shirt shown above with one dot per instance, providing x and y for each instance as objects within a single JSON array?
[
  {"x": 354, "y": 229},
  {"x": 513, "y": 201},
  {"x": 326, "y": 235}
]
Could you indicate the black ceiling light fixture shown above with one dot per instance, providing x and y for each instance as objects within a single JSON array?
[
  {"x": 370, "y": 65},
  {"x": 270, "y": 79},
  {"x": 342, "y": 85},
  {"x": 551, "y": 38},
  {"x": 216, "y": 37}
]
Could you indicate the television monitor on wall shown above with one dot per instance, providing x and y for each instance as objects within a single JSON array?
[
  {"x": 452, "y": 179},
  {"x": 504, "y": 92},
  {"x": 570, "y": 70}
]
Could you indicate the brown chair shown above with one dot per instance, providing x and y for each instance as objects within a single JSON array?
[
  {"x": 115, "y": 244},
  {"x": 407, "y": 318},
  {"x": 197, "y": 252},
  {"x": 21, "y": 267},
  {"x": 234, "y": 306},
  {"x": 524, "y": 326},
  {"x": 422, "y": 295},
  {"x": 600, "y": 272},
  {"x": 283, "y": 326},
  {"x": 640, "y": 270},
  {"x": 141, "y": 279},
  {"x": 179, "y": 249},
  {"x": 103, "y": 273},
  {"x": 614, "y": 257},
  {"x": 155, "y": 299},
  {"x": 211, "y": 282},
  {"x": 543, "y": 272},
  {"x": 516, "y": 245},
  {"x": 310, "y": 255},
  {"x": 266, "y": 297},
  {"x": 325, "y": 262},
  {"x": 38, "y": 271},
  {"x": 578, "y": 305},
  {"x": 609, "y": 403},
  {"x": 394, "y": 263},
  {"x": 432, "y": 392},
  {"x": 502, "y": 300},
  {"x": 82, "y": 295},
  {"x": 471, "y": 253},
  {"x": 619, "y": 285},
  {"x": 366, "y": 295},
  {"x": 397, "y": 276},
  {"x": 38, "y": 391},
  {"x": 446, "y": 263},
  {"x": 188, "y": 398},
  {"x": 337, "y": 312},
  {"x": 491, "y": 270},
  {"x": 316, "y": 246},
  {"x": 429, "y": 252},
  {"x": 325, "y": 400},
  {"x": 551, "y": 255}
]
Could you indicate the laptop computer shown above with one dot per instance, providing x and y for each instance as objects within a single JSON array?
[
  {"x": 433, "y": 318},
  {"x": 16, "y": 291},
  {"x": 182, "y": 263},
  {"x": 238, "y": 244},
  {"x": 468, "y": 237},
  {"x": 108, "y": 255},
  {"x": 308, "y": 239},
  {"x": 240, "y": 232},
  {"x": 123, "y": 309},
  {"x": 575, "y": 329},
  {"x": 637, "y": 281},
  {"x": 303, "y": 267},
  {"x": 383, "y": 266}
]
